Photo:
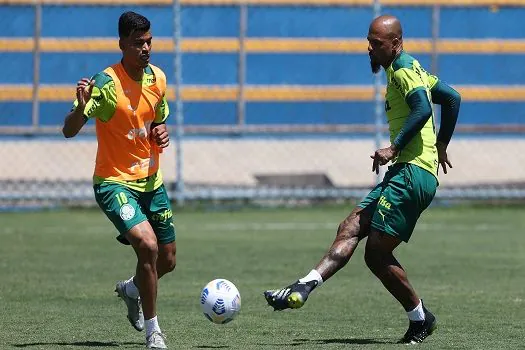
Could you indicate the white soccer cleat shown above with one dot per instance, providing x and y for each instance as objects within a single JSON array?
[
  {"x": 156, "y": 340},
  {"x": 135, "y": 315}
]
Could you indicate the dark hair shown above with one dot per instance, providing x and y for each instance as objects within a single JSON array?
[{"x": 130, "y": 22}]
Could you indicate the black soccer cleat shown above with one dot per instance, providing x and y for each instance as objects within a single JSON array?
[
  {"x": 292, "y": 297},
  {"x": 419, "y": 330}
]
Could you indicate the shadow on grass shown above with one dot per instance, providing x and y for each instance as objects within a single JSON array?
[
  {"x": 89, "y": 344},
  {"x": 356, "y": 341}
]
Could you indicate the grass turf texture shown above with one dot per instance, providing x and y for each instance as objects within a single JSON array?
[{"x": 58, "y": 270}]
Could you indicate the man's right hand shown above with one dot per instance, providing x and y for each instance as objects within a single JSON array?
[
  {"x": 84, "y": 90},
  {"x": 75, "y": 119}
]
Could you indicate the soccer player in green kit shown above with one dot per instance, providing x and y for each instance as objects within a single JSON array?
[{"x": 388, "y": 215}]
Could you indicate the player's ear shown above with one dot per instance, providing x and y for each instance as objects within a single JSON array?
[
  {"x": 121, "y": 44},
  {"x": 396, "y": 43}
]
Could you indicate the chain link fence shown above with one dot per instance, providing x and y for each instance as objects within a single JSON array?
[{"x": 269, "y": 99}]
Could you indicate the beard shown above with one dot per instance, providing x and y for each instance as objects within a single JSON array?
[{"x": 374, "y": 66}]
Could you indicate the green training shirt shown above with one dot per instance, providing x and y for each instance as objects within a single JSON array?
[{"x": 405, "y": 76}]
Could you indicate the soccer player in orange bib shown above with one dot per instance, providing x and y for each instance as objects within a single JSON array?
[{"x": 129, "y": 105}]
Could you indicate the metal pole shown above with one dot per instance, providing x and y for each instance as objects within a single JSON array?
[
  {"x": 179, "y": 116},
  {"x": 241, "y": 67},
  {"x": 36, "y": 65},
  {"x": 434, "y": 66},
  {"x": 434, "y": 59},
  {"x": 378, "y": 102}
]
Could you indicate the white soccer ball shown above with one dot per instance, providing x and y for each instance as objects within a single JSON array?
[{"x": 220, "y": 301}]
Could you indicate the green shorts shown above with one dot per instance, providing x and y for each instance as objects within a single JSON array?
[
  {"x": 398, "y": 201},
  {"x": 126, "y": 208}
]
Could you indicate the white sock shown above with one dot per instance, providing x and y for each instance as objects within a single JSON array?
[
  {"x": 312, "y": 276},
  {"x": 131, "y": 289},
  {"x": 417, "y": 314},
  {"x": 152, "y": 325}
]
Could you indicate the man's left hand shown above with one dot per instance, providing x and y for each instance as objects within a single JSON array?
[{"x": 160, "y": 135}]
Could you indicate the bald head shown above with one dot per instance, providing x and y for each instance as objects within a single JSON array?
[
  {"x": 385, "y": 41},
  {"x": 387, "y": 27}
]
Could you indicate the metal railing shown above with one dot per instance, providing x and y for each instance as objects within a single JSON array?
[{"x": 187, "y": 186}]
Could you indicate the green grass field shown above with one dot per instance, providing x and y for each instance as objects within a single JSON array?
[{"x": 58, "y": 270}]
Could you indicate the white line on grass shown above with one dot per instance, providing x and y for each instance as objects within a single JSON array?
[{"x": 266, "y": 226}]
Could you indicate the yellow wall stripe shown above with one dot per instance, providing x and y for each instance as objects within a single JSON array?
[
  {"x": 16, "y": 45},
  {"x": 266, "y": 45},
  {"x": 269, "y": 93},
  {"x": 15, "y": 93},
  {"x": 274, "y": 2}
]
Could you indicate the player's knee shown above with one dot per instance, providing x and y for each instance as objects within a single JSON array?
[
  {"x": 148, "y": 247},
  {"x": 171, "y": 262},
  {"x": 345, "y": 228},
  {"x": 349, "y": 228}
]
